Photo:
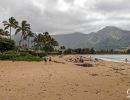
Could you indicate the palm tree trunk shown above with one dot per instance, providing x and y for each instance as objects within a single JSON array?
[
  {"x": 20, "y": 40},
  {"x": 10, "y": 32},
  {"x": 28, "y": 42}
]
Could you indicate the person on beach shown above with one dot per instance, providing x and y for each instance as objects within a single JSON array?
[
  {"x": 126, "y": 60},
  {"x": 50, "y": 60},
  {"x": 81, "y": 59},
  {"x": 45, "y": 59}
]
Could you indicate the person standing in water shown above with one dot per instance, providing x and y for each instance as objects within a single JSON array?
[{"x": 126, "y": 60}]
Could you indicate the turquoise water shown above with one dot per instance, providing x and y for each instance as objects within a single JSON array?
[{"x": 115, "y": 58}]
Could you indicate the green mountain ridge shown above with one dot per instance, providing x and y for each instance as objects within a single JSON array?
[{"x": 107, "y": 38}]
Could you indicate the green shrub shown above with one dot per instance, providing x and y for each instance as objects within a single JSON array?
[
  {"x": 10, "y": 55},
  {"x": 27, "y": 58},
  {"x": 13, "y": 55},
  {"x": 42, "y": 54},
  {"x": 6, "y": 44},
  {"x": 25, "y": 54}
]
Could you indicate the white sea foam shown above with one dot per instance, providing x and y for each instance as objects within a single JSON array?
[{"x": 114, "y": 58}]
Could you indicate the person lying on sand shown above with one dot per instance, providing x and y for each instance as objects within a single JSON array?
[
  {"x": 81, "y": 60},
  {"x": 76, "y": 59}
]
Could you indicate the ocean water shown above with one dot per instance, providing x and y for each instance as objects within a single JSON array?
[{"x": 114, "y": 58}]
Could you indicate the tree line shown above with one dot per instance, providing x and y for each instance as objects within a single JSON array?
[{"x": 94, "y": 51}]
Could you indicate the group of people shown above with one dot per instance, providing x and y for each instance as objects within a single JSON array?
[{"x": 76, "y": 59}]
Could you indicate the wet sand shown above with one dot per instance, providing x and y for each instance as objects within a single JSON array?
[{"x": 57, "y": 81}]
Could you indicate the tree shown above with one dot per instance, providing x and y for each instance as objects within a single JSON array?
[
  {"x": 128, "y": 51},
  {"x": 4, "y": 33},
  {"x": 6, "y": 44},
  {"x": 24, "y": 29},
  {"x": 29, "y": 35},
  {"x": 92, "y": 51},
  {"x": 62, "y": 48},
  {"x": 38, "y": 39},
  {"x": 85, "y": 51},
  {"x": 45, "y": 42},
  {"x": 12, "y": 23},
  {"x": 68, "y": 51}
]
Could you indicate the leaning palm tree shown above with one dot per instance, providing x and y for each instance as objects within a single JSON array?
[
  {"x": 12, "y": 23},
  {"x": 24, "y": 29}
]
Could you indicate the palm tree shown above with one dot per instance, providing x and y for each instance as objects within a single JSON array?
[
  {"x": 24, "y": 29},
  {"x": 54, "y": 42},
  {"x": 50, "y": 41},
  {"x": 45, "y": 42},
  {"x": 29, "y": 35},
  {"x": 38, "y": 40},
  {"x": 12, "y": 23}
]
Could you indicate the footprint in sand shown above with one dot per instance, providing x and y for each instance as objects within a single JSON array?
[
  {"x": 58, "y": 94},
  {"x": 76, "y": 84},
  {"x": 59, "y": 98},
  {"x": 9, "y": 89},
  {"x": 98, "y": 91}
]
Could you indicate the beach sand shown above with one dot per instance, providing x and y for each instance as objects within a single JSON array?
[{"x": 58, "y": 81}]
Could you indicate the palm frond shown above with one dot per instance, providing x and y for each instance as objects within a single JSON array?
[
  {"x": 5, "y": 23},
  {"x": 6, "y": 27},
  {"x": 17, "y": 31}
]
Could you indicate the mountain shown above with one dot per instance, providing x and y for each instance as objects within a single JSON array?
[
  {"x": 74, "y": 40},
  {"x": 107, "y": 38}
]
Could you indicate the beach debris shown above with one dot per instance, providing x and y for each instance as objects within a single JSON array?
[
  {"x": 93, "y": 74},
  {"x": 85, "y": 65}
]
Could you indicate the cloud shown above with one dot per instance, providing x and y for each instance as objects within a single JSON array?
[
  {"x": 65, "y": 16},
  {"x": 113, "y": 6}
]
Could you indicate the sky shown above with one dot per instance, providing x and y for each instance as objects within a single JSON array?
[{"x": 68, "y": 16}]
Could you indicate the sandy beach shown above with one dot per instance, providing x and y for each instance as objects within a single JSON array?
[{"x": 63, "y": 81}]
